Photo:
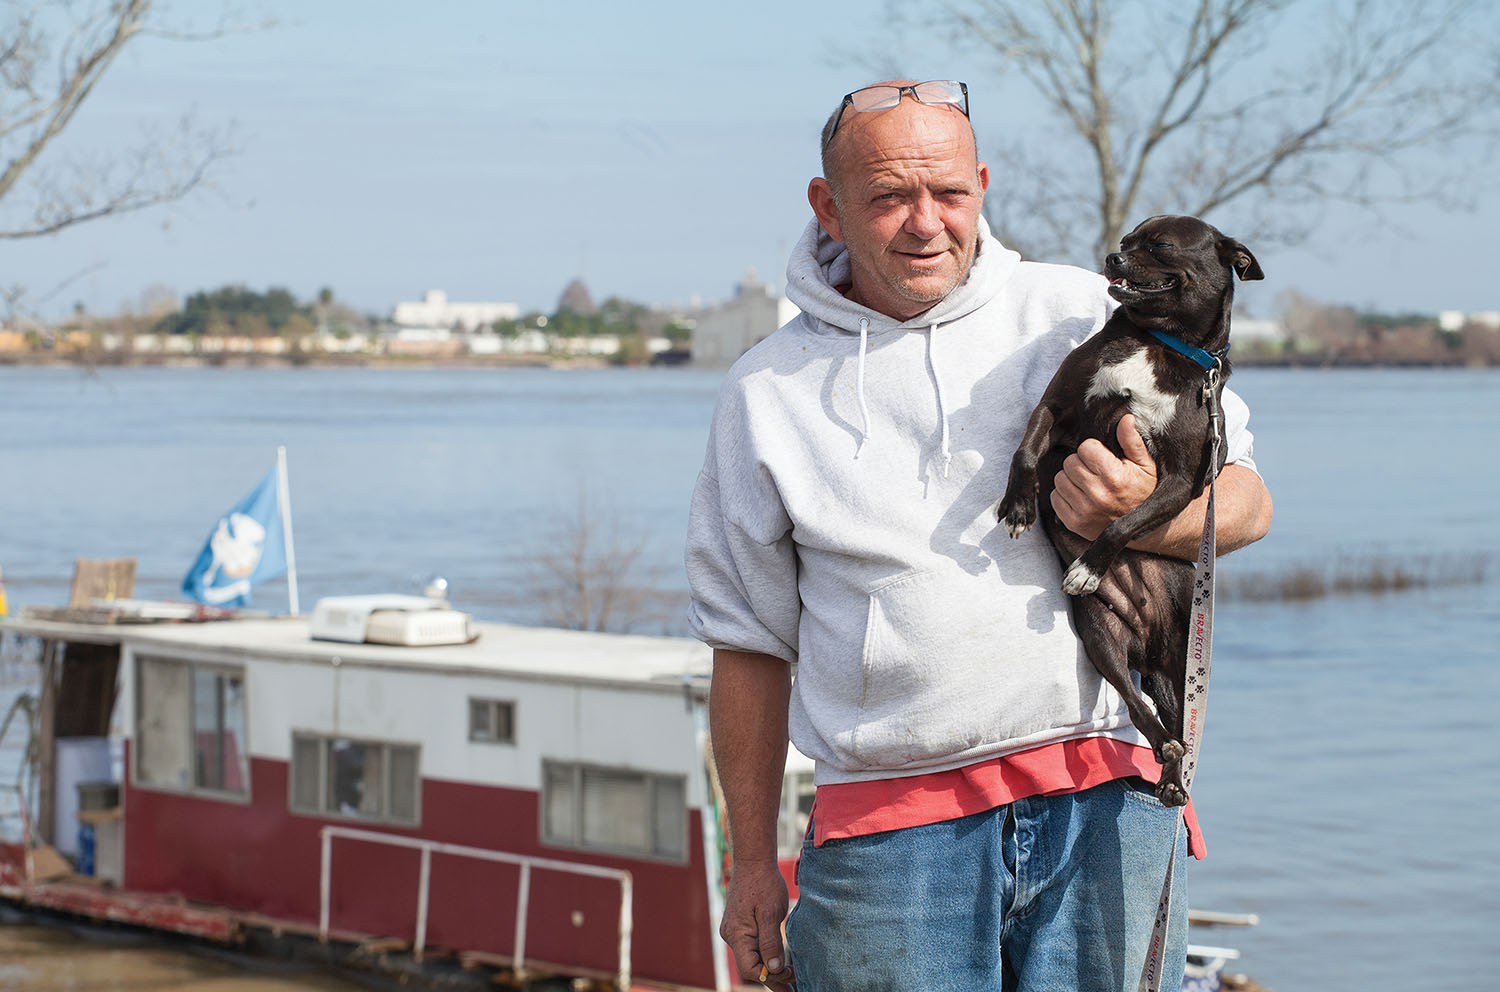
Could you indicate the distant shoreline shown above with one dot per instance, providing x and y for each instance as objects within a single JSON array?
[
  {"x": 300, "y": 361},
  {"x": 270, "y": 361}
]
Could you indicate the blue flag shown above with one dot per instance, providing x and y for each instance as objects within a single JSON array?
[{"x": 245, "y": 547}]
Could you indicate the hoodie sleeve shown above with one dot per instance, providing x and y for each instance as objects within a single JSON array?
[
  {"x": 1240, "y": 442},
  {"x": 741, "y": 561}
]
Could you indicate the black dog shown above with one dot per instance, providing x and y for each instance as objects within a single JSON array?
[{"x": 1174, "y": 275}]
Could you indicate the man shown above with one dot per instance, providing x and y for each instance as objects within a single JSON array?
[{"x": 981, "y": 820}]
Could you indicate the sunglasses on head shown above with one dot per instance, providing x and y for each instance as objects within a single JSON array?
[{"x": 884, "y": 96}]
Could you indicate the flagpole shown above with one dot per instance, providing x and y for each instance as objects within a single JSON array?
[{"x": 284, "y": 498}]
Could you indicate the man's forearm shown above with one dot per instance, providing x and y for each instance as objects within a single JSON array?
[
  {"x": 747, "y": 712},
  {"x": 1242, "y": 515}
]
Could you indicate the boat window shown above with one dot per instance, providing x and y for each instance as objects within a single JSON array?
[
  {"x": 190, "y": 727},
  {"x": 669, "y": 809},
  {"x": 403, "y": 802},
  {"x": 218, "y": 727},
  {"x": 355, "y": 775},
  {"x": 492, "y": 721},
  {"x": 614, "y": 809},
  {"x": 359, "y": 779},
  {"x": 307, "y": 773},
  {"x": 559, "y": 804}
]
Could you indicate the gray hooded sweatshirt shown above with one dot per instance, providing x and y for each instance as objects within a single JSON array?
[{"x": 844, "y": 519}]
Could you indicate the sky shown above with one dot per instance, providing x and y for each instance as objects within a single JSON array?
[{"x": 498, "y": 149}]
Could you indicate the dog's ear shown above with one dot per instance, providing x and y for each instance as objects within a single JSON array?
[{"x": 1238, "y": 257}]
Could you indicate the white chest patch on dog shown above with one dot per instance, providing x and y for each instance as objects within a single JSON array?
[{"x": 1135, "y": 380}]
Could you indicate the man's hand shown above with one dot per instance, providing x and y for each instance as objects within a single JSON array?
[
  {"x": 753, "y": 910},
  {"x": 1095, "y": 487}
]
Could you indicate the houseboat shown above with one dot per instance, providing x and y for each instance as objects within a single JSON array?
[
  {"x": 538, "y": 801},
  {"x": 391, "y": 782}
]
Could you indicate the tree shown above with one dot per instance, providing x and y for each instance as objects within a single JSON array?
[
  {"x": 586, "y": 570},
  {"x": 1254, "y": 112},
  {"x": 1319, "y": 329},
  {"x": 251, "y": 313},
  {"x": 52, "y": 56}
]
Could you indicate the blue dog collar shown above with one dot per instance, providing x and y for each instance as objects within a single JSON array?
[{"x": 1207, "y": 360}]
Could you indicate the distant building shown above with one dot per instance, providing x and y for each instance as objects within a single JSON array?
[
  {"x": 436, "y": 311},
  {"x": 725, "y": 332},
  {"x": 576, "y": 298},
  {"x": 1453, "y": 320},
  {"x": 528, "y": 341},
  {"x": 1244, "y": 328}
]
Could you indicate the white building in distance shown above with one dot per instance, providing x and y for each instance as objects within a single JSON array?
[
  {"x": 1244, "y": 328},
  {"x": 1453, "y": 320},
  {"x": 435, "y": 310},
  {"x": 725, "y": 332}
]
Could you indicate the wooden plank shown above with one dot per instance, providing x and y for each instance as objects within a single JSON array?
[
  {"x": 47, "y": 864},
  {"x": 101, "y": 578}
]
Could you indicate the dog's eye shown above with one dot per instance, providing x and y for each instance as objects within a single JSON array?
[{"x": 1161, "y": 246}]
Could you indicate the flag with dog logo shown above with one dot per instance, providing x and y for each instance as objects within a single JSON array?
[{"x": 244, "y": 548}]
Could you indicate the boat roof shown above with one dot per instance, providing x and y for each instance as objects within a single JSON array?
[{"x": 542, "y": 653}]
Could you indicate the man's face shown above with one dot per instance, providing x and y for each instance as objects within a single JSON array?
[{"x": 909, "y": 190}]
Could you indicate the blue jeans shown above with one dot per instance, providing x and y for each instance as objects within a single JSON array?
[{"x": 1048, "y": 893}]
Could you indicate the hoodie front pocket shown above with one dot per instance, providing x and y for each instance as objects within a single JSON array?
[{"x": 929, "y": 678}]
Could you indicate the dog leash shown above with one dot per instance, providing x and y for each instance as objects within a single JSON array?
[{"x": 1194, "y": 700}]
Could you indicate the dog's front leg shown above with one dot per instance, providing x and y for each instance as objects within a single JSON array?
[
  {"x": 1173, "y": 493},
  {"x": 1017, "y": 508}
]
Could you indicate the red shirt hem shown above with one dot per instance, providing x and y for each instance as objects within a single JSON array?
[{"x": 853, "y": 809}]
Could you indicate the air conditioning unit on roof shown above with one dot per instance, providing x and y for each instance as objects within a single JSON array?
[{"x": 410, "y": 621}]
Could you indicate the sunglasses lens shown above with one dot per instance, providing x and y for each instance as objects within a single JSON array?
[
  {"x": 940, "y": 91},
  {"x": 875, "y": 98}
]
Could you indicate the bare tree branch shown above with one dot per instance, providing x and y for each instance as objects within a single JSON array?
[
  {"x": 1274, "y": 108},
  {"x": 38, "y": 105},
  {"x": 588, "y": 570}
]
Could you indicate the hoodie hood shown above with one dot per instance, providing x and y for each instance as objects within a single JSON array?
[{"x": 819, "y": 265}]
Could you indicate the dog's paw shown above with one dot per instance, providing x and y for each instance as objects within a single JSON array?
[
  {"x": 1169, "y": 752},
  {"x": 1017, "y": 516},
  {"x": 1171, "y": 794},
  {"x": 1080, "y": 580}
]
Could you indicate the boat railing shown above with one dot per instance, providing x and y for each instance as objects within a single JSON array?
[{"x": 526, "y": 863}]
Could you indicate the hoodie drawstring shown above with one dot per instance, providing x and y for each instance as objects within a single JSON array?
[
  {"x": 937, "y": 383},
  {"x": 859, "y": 384}
]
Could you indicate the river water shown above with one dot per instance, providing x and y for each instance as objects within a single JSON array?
[
  {"x": 1350, "y": 778},
  {"x": 36, "y": 958}
]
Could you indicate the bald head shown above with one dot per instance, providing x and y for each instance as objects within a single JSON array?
[{"x": 845, "y": 119}]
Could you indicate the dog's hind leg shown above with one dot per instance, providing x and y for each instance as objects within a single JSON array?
[
  {"x": 1164, "y": 668},
  {"x": 1171, "y": 788},
  {"x": 1109, "y": 644}
]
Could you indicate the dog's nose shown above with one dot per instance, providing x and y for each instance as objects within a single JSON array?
[{"x": 1114, "y": 259}]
